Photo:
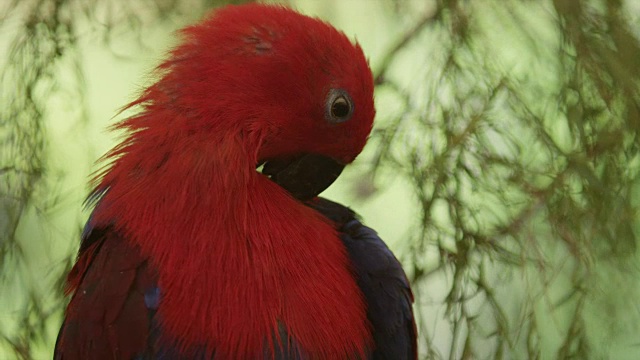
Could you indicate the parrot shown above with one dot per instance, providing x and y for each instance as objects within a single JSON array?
[{"x": 207, "y": 237}]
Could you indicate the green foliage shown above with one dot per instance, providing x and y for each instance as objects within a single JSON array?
[{"x": 520, "y": 140}]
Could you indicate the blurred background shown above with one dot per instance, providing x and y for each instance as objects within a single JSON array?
[{"x": 503, "y": 169}]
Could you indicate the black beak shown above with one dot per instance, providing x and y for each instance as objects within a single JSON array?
[{"x": 303, "y": 176}]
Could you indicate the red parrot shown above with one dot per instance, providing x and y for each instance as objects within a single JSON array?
[{"x": 207, "y": 239}]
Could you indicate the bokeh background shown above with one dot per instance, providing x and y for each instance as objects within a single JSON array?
[{"x": 502, "y": 170}]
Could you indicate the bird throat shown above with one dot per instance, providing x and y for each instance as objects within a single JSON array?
[{"x": 239, "y": 259}]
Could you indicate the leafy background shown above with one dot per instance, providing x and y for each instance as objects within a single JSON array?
[{"x": 503, "y": 168}]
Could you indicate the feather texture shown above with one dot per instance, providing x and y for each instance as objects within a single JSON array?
[
  {"x": 107, "y": 317},
  {"x": 382, "y": 281},
  {"x": 113, "y": 313}
]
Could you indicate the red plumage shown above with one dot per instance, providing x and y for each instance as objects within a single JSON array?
[
  {"x": 107, "y": 317},
  {"x": 235, "y": 256}
]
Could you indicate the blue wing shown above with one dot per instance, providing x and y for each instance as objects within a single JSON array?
[{"x": 382, "y": 282}]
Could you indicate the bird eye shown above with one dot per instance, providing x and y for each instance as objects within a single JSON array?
[{"x": 339, "y": 107}]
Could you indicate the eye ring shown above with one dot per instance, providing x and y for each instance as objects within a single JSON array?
[{"x": 339, "y": 106}]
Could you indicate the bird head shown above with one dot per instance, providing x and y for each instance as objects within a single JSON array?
[{"x": 294, "y": 90}]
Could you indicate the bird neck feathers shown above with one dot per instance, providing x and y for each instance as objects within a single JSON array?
[{"x": 236, "y": 255}]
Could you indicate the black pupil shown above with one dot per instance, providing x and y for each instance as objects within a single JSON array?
[{"x": 340, "y": 107}]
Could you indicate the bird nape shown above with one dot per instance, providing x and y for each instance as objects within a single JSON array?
[{"x": 190, "y": 253}]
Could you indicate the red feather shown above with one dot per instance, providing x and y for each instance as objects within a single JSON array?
[
  {"x": 107, "y": 317},
  {"x": 236, "y": 255}
]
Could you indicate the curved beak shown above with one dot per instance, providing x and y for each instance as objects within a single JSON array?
[{"x": 304, "y": 176}]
